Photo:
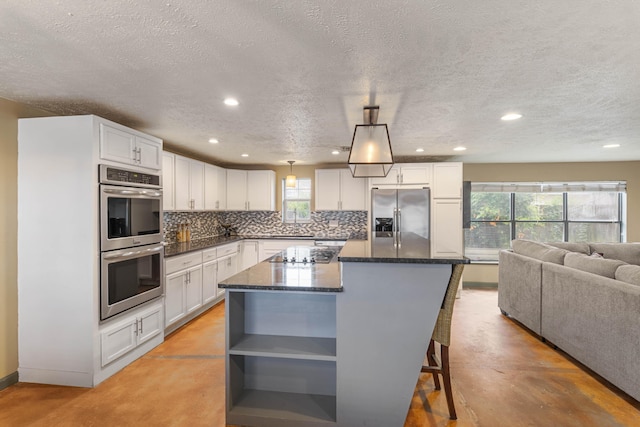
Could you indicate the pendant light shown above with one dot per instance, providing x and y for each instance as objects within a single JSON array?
[
  {"x": 291, "y": 180},
  {"x": 370, "y": 154}
]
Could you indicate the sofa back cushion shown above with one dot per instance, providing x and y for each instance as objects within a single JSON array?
[
  {"x": 629, "y": 274},
  {"x": 600, "y": 266},
  {"x": 581, "y": 247},
  {"x": 539, "y": 251},
  {"x": 627, "y": 252}
]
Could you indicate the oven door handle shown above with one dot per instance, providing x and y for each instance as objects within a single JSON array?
[
  {"x": 123, "y": 255},
  {"x": 133, "y": 192}
]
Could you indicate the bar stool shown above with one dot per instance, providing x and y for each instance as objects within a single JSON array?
[{"x": 442, "y": 335}]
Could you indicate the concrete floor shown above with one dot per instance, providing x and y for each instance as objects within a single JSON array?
[{"x": 501, "y": 374}]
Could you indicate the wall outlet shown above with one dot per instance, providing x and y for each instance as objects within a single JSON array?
[{"x": 333, "y": 223}]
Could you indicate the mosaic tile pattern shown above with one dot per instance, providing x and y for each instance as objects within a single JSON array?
[{"x": 208, "y": 224}]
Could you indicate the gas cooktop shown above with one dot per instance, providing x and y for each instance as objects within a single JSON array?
[{"x": 307, "y": 255}]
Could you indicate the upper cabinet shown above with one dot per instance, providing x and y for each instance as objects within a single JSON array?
[
  {"x": 410, "y": 173},
  {"x": 447, "y": 180},
  {"x": 215, "y": 187},
  {"x": 189, "y": 184},
  {"x": 337, "y": 190},
  {"x": 119, "y": 144},
  {"x": 253, "y": 190},
  {"x": 168, "y": 179}
]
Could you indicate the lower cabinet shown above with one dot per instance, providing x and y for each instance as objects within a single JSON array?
[
  {"x": 124, "y": 336},
  {"x": 183, "y": 293},
  {"x": 209, "y": 281}
]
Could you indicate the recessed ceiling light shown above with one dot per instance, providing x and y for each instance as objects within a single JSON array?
[
  {"x": 244, "y": 155},
  {"x": 232, "y": 102},
  {"x": 459, "y": 148},
  {"x": 611, "y": 146},
  {"x": 335, "y": 152},
  {"x": 213, "y": 140},
  {"x": 511, "y": 116},
  {"x": 419, "y": 150}
]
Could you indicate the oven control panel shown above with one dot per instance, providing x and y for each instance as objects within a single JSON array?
[{"x": 113, "y": 175}]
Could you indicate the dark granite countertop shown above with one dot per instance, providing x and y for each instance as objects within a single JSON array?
[
  {"x": 174, "y": 249},
  {"x": 382, "y": 248},
  {"x": 271, "y": 276}
]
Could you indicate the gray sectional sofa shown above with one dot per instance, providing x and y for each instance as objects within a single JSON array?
[{"x": 582, "y": 297}]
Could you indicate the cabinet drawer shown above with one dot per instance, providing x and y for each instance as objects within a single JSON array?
[
  {"x": 209, "y": 254},
  {"x": 181, "y": 262},
  {"x": 227, "y": 249}
]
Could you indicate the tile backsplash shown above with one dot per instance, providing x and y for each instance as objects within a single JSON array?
[{"x": 207, "y": 224}]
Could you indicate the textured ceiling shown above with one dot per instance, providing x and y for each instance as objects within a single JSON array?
[{"x": 443, "y": 72}]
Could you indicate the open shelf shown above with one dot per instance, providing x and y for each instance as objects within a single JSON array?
[
  {"x": 310, "y": 348},
  {"x": 293, "y": 407}
]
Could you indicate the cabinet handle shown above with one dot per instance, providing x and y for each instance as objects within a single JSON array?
[
  {"x": 401, "y": 178},
  {"x": 139, "y": 155},
  {"x": 217, "y": 204},
  {"x": 141, "y": 331},
  {"x": 248, "y": 205},
  {"x": 136, "y": 331},
  {"x": 135, "y": 159}
]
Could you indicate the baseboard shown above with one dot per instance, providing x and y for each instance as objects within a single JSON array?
[
  {"x": 475, "y": 285},
  {"x": 8, "y": 380}
]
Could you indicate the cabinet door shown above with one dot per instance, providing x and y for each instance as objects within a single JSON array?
[
  {"x": 391, "y": 178},
  {"x": 249, "y": 254},
  {"x": 150, "y": 324},
  {"x": 416, "y": 174},
  {"x": 209, "y": 281},
  {"x": 196, "y": 184},
  {"x": 212, "y": 188},
  {"x": 327, "y": 189},
  {"x": 236, "y": 190},
  {"x": 168, "y": 202},
  {"x": 117, "y": 145},
  {"x": 182, "y": 177},
  {"x": 149, "y": 152},
  {"x": 227, "y": 267},
  {"x": 118, "y": 340},
  {"x": 261, "y": 190},
  {"x": 447, "y": 180},
  {"x": 222, "y": 188},
  {"x": 174, "y": 299},
  {"x": 353, "y": 192},
  {"x": 446, "y": 235},
  {"x": 193, "y": 289}
]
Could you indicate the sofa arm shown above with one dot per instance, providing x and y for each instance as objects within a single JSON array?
[{"x": 519, "y": 288}]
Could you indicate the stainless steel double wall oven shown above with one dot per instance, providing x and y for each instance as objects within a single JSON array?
[{"x": 131, "y": 249}]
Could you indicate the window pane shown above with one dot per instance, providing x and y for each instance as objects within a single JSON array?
[
  {"x": 598, "y": 206},
  {"x": 483, "y": 240},
  {"x": 297, "y": 211},
  {"x": 538, "y": 206},
  {"x": 540, "y": 231},
  {"x": 490, "y": 206},
  {"x": 594, "y": 232}
]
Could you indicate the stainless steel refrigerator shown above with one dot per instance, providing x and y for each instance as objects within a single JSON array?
[{"x": 401, "y": 210}]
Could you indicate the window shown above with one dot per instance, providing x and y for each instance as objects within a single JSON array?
[
  {"x": 544, "y": 212},
  {"x": 296, "y": 202}
]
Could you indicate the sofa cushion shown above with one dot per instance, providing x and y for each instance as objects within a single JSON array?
[
  {"x": 581, "y": 247},
  {"x": 539, "y": 251},
  {"x": 627, "y": 252},
  {"x": 629, "y": 274},
  {"x": 600, "y": 266}
]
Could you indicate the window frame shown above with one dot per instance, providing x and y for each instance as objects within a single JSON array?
[{"x": 285, "y": 200}]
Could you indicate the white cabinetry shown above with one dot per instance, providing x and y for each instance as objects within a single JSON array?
[
  {"x": 119, "y": 339},
  {"x": 249, "y": 254},
  {"x": 447, "y": 180},
  {"x": 59, "y": 333},
  {"x": 251, "y": 190},
  {"x": 189, "y": 184},
  {"x": 183, "y": 287},
  {"x": 209, "y": 275},
  {"x": 123, "y": 145},
  {"x": 227, "y": 263},
  {"x": 337, "y": 190},
  {"x": 168, "y": 181},
  {"x": 215, "y": 188},
  {"x": 409, "y": 173},
  {"x": 446, "y": 211}
]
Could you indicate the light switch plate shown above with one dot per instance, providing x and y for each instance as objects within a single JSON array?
[{"x": 333, "y": 223}]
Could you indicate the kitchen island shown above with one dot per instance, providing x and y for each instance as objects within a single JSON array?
[{"x": 338, "y": 343}]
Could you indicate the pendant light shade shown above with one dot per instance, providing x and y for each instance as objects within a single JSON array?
[
  {"x": 370, "y": 154},
  {"x": 291, "y": 180}
]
